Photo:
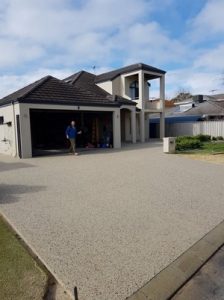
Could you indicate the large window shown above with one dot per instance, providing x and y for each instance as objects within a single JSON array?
[{"x": 134, "y": 90}]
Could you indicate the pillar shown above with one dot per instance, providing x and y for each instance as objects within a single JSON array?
[
  {"x": 162, "y": 106},
  {"x": 26, "y": 142},
  {"x": 142, "y": 126},
  {"x": 133, "y": 126},
  {"x": 117, "y": 129},
  {"x": 162, "y": 125},
  {"x": 146, "y": 127}
]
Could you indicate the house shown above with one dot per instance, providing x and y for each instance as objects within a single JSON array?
[
  {"x": 110, "y": 108},
  {"x": 197, "y": 108}
]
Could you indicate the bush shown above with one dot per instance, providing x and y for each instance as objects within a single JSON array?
[
  {"x": 188, "y": 143},
  {"x": 214, "y": 138},
  {"x": 220, "y": 138},
  {"x": 203, "y": 137}
]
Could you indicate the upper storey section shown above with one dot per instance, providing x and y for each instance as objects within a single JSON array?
[{"x": 132, "y": 82}]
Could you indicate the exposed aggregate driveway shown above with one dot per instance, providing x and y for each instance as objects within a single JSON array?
[{"x": 108, "y": 221}]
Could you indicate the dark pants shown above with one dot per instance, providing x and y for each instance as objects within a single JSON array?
[{"x": 72, "y": 145}]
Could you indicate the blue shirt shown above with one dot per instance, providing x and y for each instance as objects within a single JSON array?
[{"x": 71, "y": 132}]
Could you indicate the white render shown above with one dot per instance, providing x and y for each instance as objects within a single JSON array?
[
  {"x": 8, "y": 132},
  {"x": 120, "y": 86}
]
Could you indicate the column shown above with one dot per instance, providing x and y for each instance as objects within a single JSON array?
[
  {"x": 162, "y": 105},
  {"x": 117, "y": 128},
  {"x": 142, "y": 126},
  {"x": 26, "y": 141},
  {"x": 147, "y": 127},
  {"x": 133, "y": 125},
  {"x": 141, "y": 102},
  {"x": 162, "y": 125}
]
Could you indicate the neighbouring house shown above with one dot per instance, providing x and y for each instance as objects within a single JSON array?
[
  {"x": 179, "y": 115},
  {"x": 111, "y": 108}
]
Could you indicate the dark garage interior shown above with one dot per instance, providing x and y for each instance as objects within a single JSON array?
[{"x": 48, "y": 130}]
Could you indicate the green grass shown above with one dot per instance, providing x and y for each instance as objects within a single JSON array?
[
  {"x": 206, "y": 148},
  {"x": 20, "y": 277}
]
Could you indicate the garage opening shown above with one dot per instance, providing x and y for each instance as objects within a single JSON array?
[{"x": 48, "y": 130}]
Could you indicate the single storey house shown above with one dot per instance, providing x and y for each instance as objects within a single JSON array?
[
  {"x": 181, "y": 114},
  {"x": 111, "y": 108}
]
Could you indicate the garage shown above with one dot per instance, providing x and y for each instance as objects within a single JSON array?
[{"x": 48, "y": 130}]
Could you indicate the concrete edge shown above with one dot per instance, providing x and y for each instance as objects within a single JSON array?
[
  {"x": 172, "y": 278},
  {"x": 60, "y": 287}
]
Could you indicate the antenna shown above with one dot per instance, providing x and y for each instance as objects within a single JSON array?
[{"x": 94, "y": 69}]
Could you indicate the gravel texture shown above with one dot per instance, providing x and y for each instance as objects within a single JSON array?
[{"x": 107, "y": 222}]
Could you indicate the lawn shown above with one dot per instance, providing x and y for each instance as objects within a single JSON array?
[
  {"x": 20, "y": 276},
  {"x": 206, "y": 148},
  {"x": 212, "y": 147},
  {"x": 212, "y": 151}
]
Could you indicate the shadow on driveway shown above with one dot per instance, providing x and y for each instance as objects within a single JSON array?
[{"x": 10, "y": 193}]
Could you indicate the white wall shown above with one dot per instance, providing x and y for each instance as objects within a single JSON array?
[
  {"x": 107, "y": 86},
  {"x": 8, "y": 134}
]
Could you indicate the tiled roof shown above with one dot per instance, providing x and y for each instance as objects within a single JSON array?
[
  {"x": 207, "y": 108},
  {"x": 50, "y": 90},
  {"x": 115, "y": 73},
  {"x": 86, "y": 81}
]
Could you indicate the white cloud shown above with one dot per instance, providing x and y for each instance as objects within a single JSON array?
[
  {"x": 194, "y": 81},
  {"x": 13, "y": 53},
  {"x": 209, "y": 22},
  {"x": 211, "y": 59},
  {"x": 11, "y": 83},
  {"x": 58, "y": 37}
]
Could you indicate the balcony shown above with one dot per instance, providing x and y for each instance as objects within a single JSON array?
[{"x": 153, "y": 105}]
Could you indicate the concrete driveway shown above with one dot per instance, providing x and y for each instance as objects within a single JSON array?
[{"x": 107, "y": 222}]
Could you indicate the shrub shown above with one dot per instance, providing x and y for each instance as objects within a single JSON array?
[
  {"x": 187, "y": 143},
  {"x": 220, "y": 138},
  {"x": 214, "y": 138},
  {"x": 203, "y": 137}
]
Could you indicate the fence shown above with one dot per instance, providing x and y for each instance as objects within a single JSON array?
[{"x": 213, "y": 128}]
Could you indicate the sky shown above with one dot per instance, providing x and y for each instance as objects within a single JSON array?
[{"x": 61, "y": 37}]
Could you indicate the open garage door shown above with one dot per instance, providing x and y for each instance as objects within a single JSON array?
[{"x": 48, "y": 130}]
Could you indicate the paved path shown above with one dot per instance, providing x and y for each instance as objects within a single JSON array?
[{"x": 108, "y": 222}]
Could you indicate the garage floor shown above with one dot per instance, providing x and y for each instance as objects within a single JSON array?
[{"x": 107, "y": 222}]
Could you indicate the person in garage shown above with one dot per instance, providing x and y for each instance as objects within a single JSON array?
[{"x": 71, "y": 134}]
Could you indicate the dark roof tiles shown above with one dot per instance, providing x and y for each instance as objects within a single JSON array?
[{"x": 115, "y": 73}]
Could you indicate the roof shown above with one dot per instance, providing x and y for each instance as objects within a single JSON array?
[
  {"x": 86, "y": 81},
  {"x": 115, "y": 73},
  {"x": 173, "y": 115},
  {"x": 50, "y": 90},
  {"x": 207, "y": 108}
]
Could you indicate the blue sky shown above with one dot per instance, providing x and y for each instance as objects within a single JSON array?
[{"x": 60, "y": 37}]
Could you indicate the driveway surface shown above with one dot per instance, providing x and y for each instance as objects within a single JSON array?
[{"x": 107, "y": 222}]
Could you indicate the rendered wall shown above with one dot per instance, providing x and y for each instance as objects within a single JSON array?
[
  {"x": 8, "y": 133},
  {"x": 107, "y": 86}
]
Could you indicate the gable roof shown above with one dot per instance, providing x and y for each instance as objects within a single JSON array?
[
  {"x": 86, "y": 81},
  {"x": 50, "y": 90},
  {"x": 115, "y": 73}
]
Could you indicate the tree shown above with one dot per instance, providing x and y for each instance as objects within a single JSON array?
[{"x": 182, "y": 95}]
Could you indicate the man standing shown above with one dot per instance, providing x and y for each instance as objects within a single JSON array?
[{"x": 71, "y": 134}]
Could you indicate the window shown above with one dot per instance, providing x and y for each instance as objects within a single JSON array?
[
  {"x": 134, "y": 90},
  {"x": 1, "y": 120}
]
